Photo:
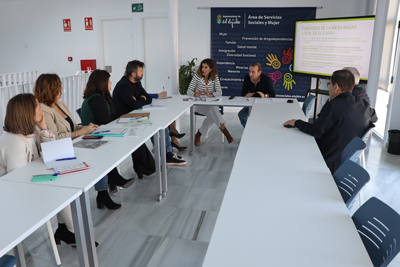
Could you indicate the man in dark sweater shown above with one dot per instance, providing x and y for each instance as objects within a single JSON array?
[
  {"x": 129, "y": 95},
  {"x": 358, "y": 92},
  {"x": 255, "y": 84},
  {"x": 340, "y": 120}
]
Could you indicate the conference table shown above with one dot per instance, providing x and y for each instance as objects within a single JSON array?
[
  {"x": 26, "y": 207},
  {"x": 281, "y": 206}
]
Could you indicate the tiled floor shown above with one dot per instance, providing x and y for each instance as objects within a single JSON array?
[{"x": 176, "y": 231}]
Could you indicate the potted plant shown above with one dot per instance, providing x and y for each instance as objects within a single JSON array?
[{"x": 185, "y": 75}]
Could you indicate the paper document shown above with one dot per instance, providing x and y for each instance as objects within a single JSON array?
[
  {"x": 111, "y": 132},
  {"x": 56, "y": 153},
  {"x": 71, "y": 168},
  {"x": 150, "y": 107},
  {"x": 133, "y": 116},
  {"x": 125, "y": 120},
  {"x": 205, "y": 99}
]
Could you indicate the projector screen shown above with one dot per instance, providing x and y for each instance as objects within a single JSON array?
[{"x": 325, "y": 45}]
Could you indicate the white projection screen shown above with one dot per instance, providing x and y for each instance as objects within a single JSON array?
[{"x": 325, "y": 45}]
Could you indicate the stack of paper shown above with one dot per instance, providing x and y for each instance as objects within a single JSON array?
[
  {"x": 111, "y": 132},
  {"x": 133, "y": 116},
  {"x": 135, "y": 123}
]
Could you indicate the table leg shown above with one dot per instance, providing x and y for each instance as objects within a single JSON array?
[
  {"x": 192, "y": 130},
  {"x": 163, "y": 152},
  {"x": 158, "y": 164},
  {"x": 250, "y": 110},
  {"x": 88, "y": 229},
  {"x": 19, "y": 254},
  {"x": 79, "y": 232}
]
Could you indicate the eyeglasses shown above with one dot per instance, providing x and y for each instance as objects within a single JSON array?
[{"x": 329, "y": 83}]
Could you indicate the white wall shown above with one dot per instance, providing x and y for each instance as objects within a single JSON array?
[{"x": 38, "y": 24}]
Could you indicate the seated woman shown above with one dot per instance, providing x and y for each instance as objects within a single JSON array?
[
  {"x": 206, "y": 83},
  {"x": 98, "y": 108},
  {"x": 60, "y": 121},
  {"x": 19, "y": 144}
]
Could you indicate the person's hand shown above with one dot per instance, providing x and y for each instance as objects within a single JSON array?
[
  {"x": 249, "y": 95},
  {"x": 290, "y": 122},
  {"x": 134, "y": 98},
  {"x": 207, "y": 92},
  {"x": 89, "y": 129},
  {"x": 41, "y": 123},
  {"x": 162, "y": 94},
  {"x": 142, "y": 96},
  {"x": 261, "y": 94},
  {"x": 197, "y": 94}
]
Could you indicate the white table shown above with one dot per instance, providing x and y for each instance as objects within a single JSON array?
[
  {"x": 25, "y": 207},
  {"x": 282, "y": 206}
]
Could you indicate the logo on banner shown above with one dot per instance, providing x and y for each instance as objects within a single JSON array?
[
  {"x": 273, "y": 61},
  {"x": 229, "y": 19}
]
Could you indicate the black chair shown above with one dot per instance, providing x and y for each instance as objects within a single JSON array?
[
  {"x": 350, "y": 178},
  {"x": 378, "y": 226}
]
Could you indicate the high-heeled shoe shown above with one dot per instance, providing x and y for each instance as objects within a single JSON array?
[
  {"x": 180, "y": 148},
  {"x": 115, "y": 178},
  {"x": 179, "y": 136},
  {"x": 63, "y": 234},
  {"x": 227, "y": 135},
  {"x": 103, "y": 200},
  {"x": 197, "y": 138}
]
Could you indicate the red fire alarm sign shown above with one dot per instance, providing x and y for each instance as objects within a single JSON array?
[
  {"x": 88, "y": 24},
  {"x": 67, "y": 25}
]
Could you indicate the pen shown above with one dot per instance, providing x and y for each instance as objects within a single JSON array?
[
  {"x": 163, "y": 88},
  {"x": 102, "y": 132},
  {"x": 66, "y": 159}
]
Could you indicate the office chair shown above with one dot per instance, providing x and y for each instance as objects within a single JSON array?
[
  {"x": 378, "y": 226},
  {"x": 308, "y": 105},
  {"x": 353, "y": 150},
  {"x": 221, "y": 110},
  {"x": 79, "y": 112},
  {"x": 8, "y": 261},
  {"x": 350, "y": 178}
]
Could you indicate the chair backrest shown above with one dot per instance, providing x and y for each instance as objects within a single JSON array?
[
  {"x": 378, "y": 226},
  {"x": 79, "y": 112},
  {"x": 8, "y": 261},
  {"x": 350, "y": 178},
  {"x": 353, "y": 150},
  {"x": 367, "y": 134},
  {"x": 308, "y": 105}
]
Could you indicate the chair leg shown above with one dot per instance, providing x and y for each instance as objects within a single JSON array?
[
  {"x": 223, "y": 138},
  {"x": 362, "y": 160},
  {"x": 53, "y": 243}
]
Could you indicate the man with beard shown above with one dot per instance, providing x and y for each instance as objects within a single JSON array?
[{"x": 129, "y": 95}]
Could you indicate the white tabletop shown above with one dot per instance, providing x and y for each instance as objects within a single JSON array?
[
  {"x": 25, "y": 207},
  {"x": 282, "y": 206},
  {"x": 238, "y": 101}
]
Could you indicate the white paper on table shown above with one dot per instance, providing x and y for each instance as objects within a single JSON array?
[
  {"x": 281, "y": 100},
  {"x": 263, "y": 100},
  {"x": 150, "y": 107},
  {"x": 124, "y": 120},
  {"x": 58, "y": 149}
]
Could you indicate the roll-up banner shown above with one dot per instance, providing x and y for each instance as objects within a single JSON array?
[{"x": 242, "y": 36}]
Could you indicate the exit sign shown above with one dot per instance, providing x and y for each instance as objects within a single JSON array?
[{"x": 137, "y": 7}]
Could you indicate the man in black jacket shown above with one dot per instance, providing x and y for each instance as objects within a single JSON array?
[
  {"x": 255, "y": 84},
  {"x": 129, "y": 95},
  {"x": 340, "y": 120}
]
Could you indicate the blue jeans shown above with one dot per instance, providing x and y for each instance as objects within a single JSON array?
[
  {"x": 167, "y": 140},
  {"x": 102, "y": 184},
  {"x": 243, "y": 116}
]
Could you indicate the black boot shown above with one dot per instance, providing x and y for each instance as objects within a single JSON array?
[
  {"x": 104, "y": 200},
  {"x": 63, "y": 234},
  {"x": 116, "y": 179}
]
